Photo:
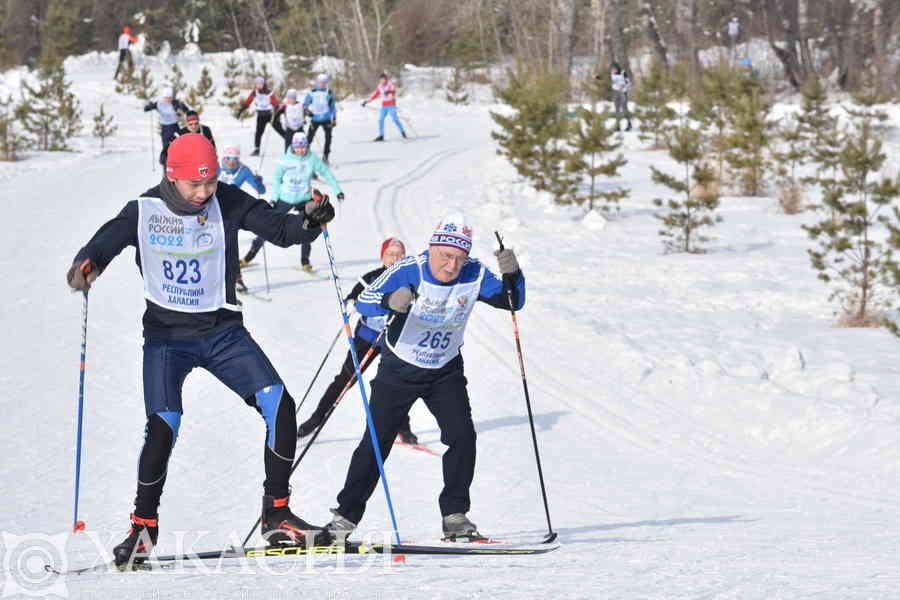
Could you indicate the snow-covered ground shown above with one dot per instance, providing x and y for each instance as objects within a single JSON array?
[{"x": 705, "y": 429}]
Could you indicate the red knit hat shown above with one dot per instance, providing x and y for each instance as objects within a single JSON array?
[
  {"x": 391, "y": 241},
  {"x": 191, "y": 156}
]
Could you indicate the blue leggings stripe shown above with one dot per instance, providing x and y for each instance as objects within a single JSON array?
[
  {"x": 268, "y": 400},
  {"x": 173, "y": 420}
]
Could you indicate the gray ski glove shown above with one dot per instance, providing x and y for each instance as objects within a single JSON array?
[
  {"x": 81, "y": 276},
  {"x": 506, "y": 259},
  {"x": 400, "y": 300}
]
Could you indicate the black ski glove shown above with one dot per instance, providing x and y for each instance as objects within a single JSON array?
[
  {"x": 319, "y": 211},
  {"x": 81, "y": 275}
]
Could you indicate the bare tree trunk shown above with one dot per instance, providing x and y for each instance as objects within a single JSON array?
[
  {"x": 781, "y": 22},
  {"x": 361, "y": 34},
  {"x": 806, "y": 58},
  {"x": 234, "y": 22},
  {"x": 879, "y": 43},
  {"x": 653, "y": 33},
  {"x": 261, "y": 12},
  {"x": 617, "y": 37},
  {"x": 694, "y": 34},
  {"x": 565, "y": 34}
]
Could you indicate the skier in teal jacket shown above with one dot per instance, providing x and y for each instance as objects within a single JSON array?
[{"x": 292, "y": 188}]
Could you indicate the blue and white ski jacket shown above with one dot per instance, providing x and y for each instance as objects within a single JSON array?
[
  {"x": 321, "y": 105},
  {"x": 240, "y": 176},
  {"x": 405, "y": 273}
]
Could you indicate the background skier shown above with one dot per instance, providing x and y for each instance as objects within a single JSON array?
[
  {"x": 264, "y": 100},
  {"x": 323, "y": 112},
  {"x": 292, "y": 189},
  {"x": 168, "y": 108},
  {"x": 388, "y": 94}
]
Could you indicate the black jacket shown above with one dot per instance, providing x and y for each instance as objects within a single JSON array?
[
  {"x": 239, "y": 211},
  {"x": 206, "y": 131}
]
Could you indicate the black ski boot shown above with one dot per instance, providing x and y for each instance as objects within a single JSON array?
[
  {"x": 255, "y": 152},
  {"x": 282, "y": 527},
  {"x": 325, "y": 159},
  {"x": 628, "y": 128},
  {"x": 403, "y": 133},
  {"x": 380, "y": 138},
  {"x": 408, "y": 437},
  {"x": 141, "y": 539},
  {"x": 239, "y": 284},
  {"x": 309, "y": 425}
]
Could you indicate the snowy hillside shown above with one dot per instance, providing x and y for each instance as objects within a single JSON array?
[{"x": 705, "y": 429}]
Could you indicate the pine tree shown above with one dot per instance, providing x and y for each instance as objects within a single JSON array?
[
  {"x": 142, "y": 87},
  {"x": 455, "y": 90},
  {"x": 297, "y": 71},
  {"x": 592, "y": 141},
  {"x": 59, "y": 32},
  {"x": 819, "y": 128},
  {"x": 697, "y": 197},
  {"x": 652, "y": 108},
  {"x": 11, "y": 141},
  {"x": 198, "y": 95},
  {"x": 531, "y": 139},
  {"x": 850, "y": 256},
  {"x": 175, "y": 79},
  {"x": 749, "y": 142},
  {"x": 712, "y": 106},
  {"x": 104, "y": 126},
  {"x": 267, "y": 75},
  {"x": 823, "y": 135},
  {"x": 792, "y": 155},
  {"x": 49, "y": 112},
  {"x": 126, "y": 80},
  {"x": 864, "y": 104},
  {"x": 234, "y": 89}
]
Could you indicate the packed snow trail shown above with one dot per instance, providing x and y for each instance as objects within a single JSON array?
[{"x": 705, "y": 431}]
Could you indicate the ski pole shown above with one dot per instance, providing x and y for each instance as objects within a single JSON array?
[
  {"x": 318, "y": 430},
  {"x": 362, "y": 387},
  {"x": 262, "y": 147},
  {"x": 76, "y": 524},
  {"x": 551, "y": 535},
  {"x": 319, "y": 370},
  {"x": 152, "y": 145},
  {"x": 266, "y": 271}
]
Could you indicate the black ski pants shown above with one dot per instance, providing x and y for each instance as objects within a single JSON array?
[
  {"x": 285, "y": 132},
  {"x": 257, "y": 243},
  {"x": 167, "y": 135},
  {"x": 448, "y": 401},
  {"x": 263, "y": 117},
  {"x": 326, "y": 127},
  {"x": 124, "y": 57}
]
